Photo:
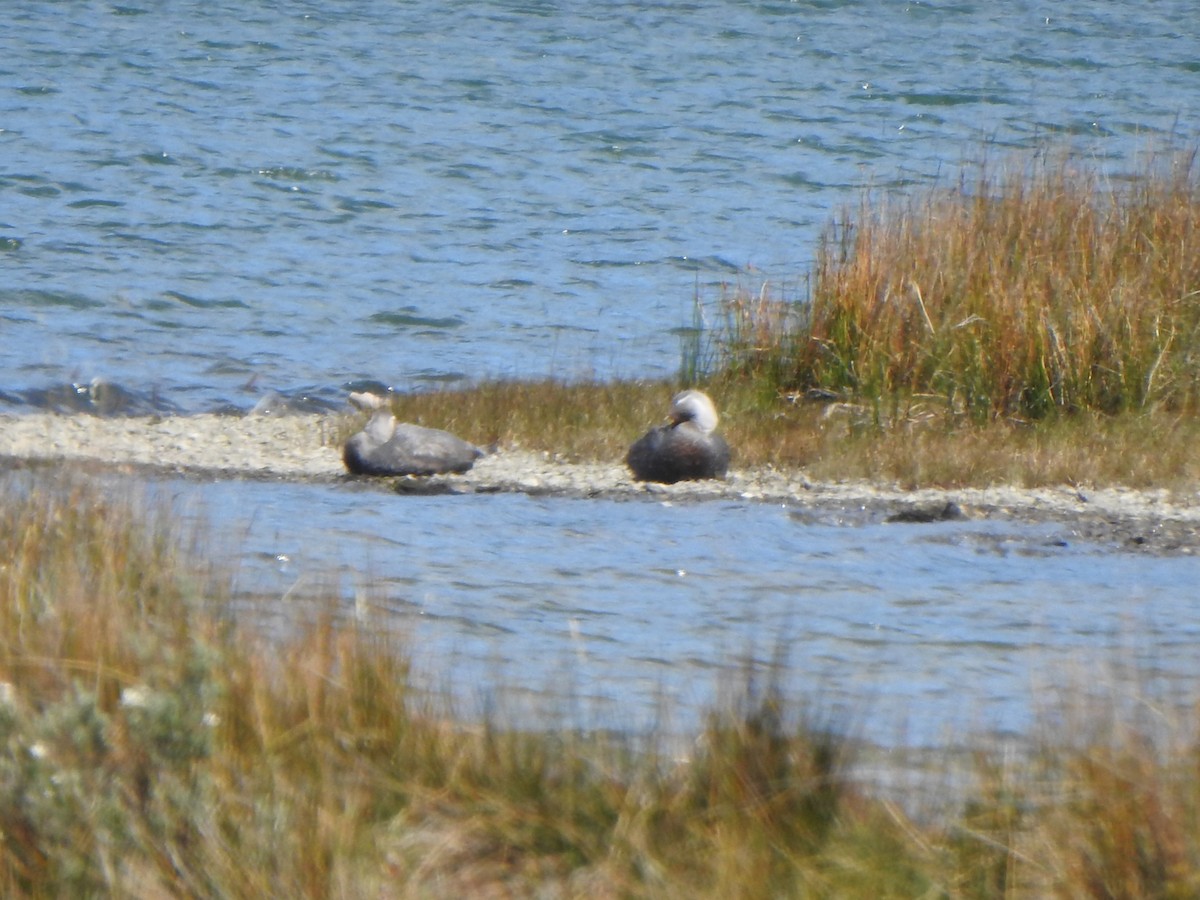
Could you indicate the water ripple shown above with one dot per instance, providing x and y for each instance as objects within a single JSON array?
[{"x": 453, "y": 164}]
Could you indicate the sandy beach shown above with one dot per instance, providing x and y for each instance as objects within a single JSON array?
[{"x": 303, "y": 448}]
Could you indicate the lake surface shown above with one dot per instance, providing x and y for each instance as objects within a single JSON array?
[
  {"x": 614, "y": 612},
  {"x": 205, "y": 202}
]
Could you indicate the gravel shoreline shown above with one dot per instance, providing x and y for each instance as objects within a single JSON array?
[{"x": 301, "y": 448}]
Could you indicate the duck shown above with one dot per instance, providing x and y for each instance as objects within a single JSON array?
[
  {"x": 388, "y": 447},
  {"x": 684, "y": 449}
]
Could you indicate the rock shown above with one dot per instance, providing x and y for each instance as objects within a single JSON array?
[{"x": 937, "y": 511}]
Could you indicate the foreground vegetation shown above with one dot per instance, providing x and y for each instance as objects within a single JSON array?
[
  {"x": 154, "y": 744},
  {"x": 1039, "y": 326}
]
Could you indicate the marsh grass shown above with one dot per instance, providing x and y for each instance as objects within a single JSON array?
[
  {"x": 152, "y": 744},
  {"x": 1036, "y": 289},
  {"x": 928, "y": 448}
]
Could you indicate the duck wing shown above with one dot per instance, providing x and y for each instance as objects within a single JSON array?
[
  {"x": 681, "y": 453},
  {"x": 411, "y": 450}
]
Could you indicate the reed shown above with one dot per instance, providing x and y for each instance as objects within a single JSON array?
[
  {"x": 155, "y": 743},
  {"x": 1038, "y": 289}
]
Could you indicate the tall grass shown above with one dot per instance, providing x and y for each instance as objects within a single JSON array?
[
  {"x": 152, "y": 745},
  {"x": 1033, "y": 290}
]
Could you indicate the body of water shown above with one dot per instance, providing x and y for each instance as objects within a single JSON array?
[
  {"x": 616, "y": 612},
  {"x": 204, "y": 201}
]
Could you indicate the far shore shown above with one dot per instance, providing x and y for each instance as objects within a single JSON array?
[{"x": 304, "y": 448}]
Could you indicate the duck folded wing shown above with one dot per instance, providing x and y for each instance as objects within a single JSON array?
[
  {"x": 674, "y": 453},
  {"x": 404, "y": 449}
]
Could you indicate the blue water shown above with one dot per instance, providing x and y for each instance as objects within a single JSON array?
[
  {"x": 204, "y": 201},
  {"x": 616, "y": 613}
]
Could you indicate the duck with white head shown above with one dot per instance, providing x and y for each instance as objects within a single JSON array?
[{"x": 684, "y": 449}]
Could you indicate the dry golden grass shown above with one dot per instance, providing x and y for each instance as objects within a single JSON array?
[
  {"x": 1038, "y": 289},
  {"x": 154, "y": 745},
  {"x": 932, "y": 449}
]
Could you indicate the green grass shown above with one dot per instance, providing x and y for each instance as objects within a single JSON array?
[{"x": 155, "y": 744}]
